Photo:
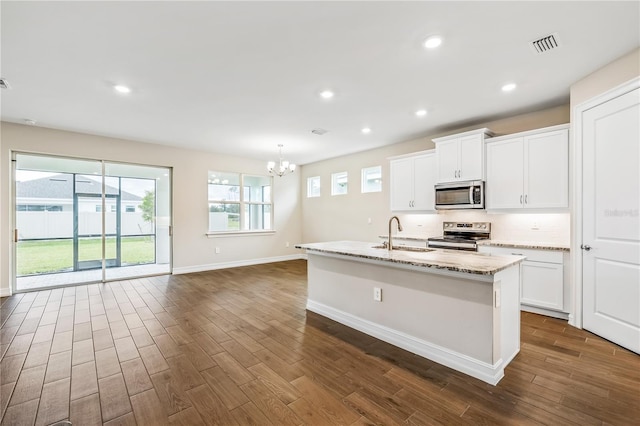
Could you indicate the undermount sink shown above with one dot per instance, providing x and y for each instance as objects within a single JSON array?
[{"x": 405, "y": 248}]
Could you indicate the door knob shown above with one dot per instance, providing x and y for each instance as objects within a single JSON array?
[{"x": 585, "y": 247}]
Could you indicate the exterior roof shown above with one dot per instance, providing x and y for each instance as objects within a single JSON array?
[{"x": 61, "y": 187}]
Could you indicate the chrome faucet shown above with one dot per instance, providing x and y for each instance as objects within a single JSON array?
[{"x": 390, "y": 245}]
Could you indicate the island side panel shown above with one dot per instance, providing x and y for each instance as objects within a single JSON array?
[
  {"x": 455, "y": 314},
  {"x": 507, "y": 322}
]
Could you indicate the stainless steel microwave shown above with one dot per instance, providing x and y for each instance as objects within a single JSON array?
[{"x": 460, "y": 195}]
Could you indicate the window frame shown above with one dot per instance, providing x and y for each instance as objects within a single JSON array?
[
  {"x": 310, "y": 180},
  {"x": 244, "y": 206},
  {"x": 334, "y": 183},
  {"x": 363, "y": 181}
]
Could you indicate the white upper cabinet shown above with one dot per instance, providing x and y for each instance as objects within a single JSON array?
[
  {"x": 529, "y": 170},
  {"x": 412, "y": 182},
  {"x": 460, "y": 157}
]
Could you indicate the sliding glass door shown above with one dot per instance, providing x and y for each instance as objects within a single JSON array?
[{"x": 79, "y": 221}]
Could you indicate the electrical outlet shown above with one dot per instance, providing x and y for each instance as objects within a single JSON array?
[
  {"x": 377, "y": 294},
  {"x": 286, "y": 244},
  {"x": 217, "y": 250},
  {"x": 535, "y": 226},
  {"x": 369, "y": 221}
]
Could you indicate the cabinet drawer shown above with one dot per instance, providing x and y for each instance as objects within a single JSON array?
[{"x": 532, "y": 255}]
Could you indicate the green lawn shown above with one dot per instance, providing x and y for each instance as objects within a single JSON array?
[{"x": 47, "y": 256}]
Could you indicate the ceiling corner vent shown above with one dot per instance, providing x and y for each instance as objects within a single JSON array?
[
  {"x": 4, "y": 84},
  {"x": 545, "y": 44},
  {"x": 319, "y": 131}
]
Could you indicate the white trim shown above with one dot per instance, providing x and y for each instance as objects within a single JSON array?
[
  {"x": 431, "y": 151},
  {"x": 484, "y": 131},
  {"x": 546, "y": 312},
  {"x": 5, "y": 292},
  {"x": 215, "y": 234},
  {"x": 527, "y": 133},
  {"x": 234, "y": 264},
  {"x": 575, "y": 156},
  {"x": 473, "y": 367}
]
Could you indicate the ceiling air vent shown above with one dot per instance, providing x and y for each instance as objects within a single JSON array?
[
  {"x": 545, "y": 44},
  {"x": 319, "y": 131},
  {"x": 4, "y": 84}
]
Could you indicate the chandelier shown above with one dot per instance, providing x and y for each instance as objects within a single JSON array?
[{"x": 283, "y": 166}]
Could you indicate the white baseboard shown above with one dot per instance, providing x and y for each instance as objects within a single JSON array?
[
  {"x": 5, "y": 292},
  {"x": 234, "y": 264},
  {"x": 546, "y": 312},
  {"x": 460, "y": 362}
]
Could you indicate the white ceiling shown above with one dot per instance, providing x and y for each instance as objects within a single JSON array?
[{"x": 241, "y": 77}]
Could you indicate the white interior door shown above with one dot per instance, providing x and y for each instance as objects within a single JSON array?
[{"x": 611, "y": 221}]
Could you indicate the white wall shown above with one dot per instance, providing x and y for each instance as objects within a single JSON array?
[
  {"x": 606, "y": 78},
  {"x": 192, "y": 249},
  {"x": 346, "y": 217}
]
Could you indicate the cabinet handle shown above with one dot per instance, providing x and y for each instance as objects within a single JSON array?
[
  {"x": 15, "y": 235},
  {"x": 520, "y": 199},
  {"x": 525, "y": 199}
]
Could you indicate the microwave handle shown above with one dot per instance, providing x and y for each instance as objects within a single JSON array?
[{"x": 471, "y": 195}]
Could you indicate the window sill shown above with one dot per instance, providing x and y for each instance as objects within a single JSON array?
[{"x": 238, "y": 233}]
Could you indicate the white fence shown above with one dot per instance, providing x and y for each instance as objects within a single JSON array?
[{"x": 44, "y": 225}]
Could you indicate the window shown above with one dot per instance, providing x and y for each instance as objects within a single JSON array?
[
  {"x": 339, "y": 183},
  {"x": 372, "y": 179},
  {"x": 313, "y": 186},
  {"x": 130, "y": 209},
  {"x": 234, "y": 210}
]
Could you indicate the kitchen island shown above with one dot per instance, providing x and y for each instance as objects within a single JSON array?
[{"x": 456, "y": 308}]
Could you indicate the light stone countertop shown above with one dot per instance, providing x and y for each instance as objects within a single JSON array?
[
  {"x": 525, "y": 245},
  {"x": 544, "y": 245},
  {"x": 405, "y": 237},
  {"x": 452, "y": 260}
]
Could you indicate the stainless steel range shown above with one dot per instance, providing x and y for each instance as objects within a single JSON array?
[{"x": 461, "y": 235}]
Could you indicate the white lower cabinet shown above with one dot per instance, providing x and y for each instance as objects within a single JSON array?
[
  {"x": 542, "y": 285},
  {"x": 543, "y": 288}
]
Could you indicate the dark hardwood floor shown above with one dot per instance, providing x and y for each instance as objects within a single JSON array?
[{"x": 236, "y": 346}]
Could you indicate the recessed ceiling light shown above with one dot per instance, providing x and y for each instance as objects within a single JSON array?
[
  {"x": 421, "y": 112},
  {"x": 326, "y": 94},
  {"x": 366, "y": 130},
  {"x": 433, "y": 42},
  {"x": 508, "y": 87},
  {"x": 121, "y": 89}
]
